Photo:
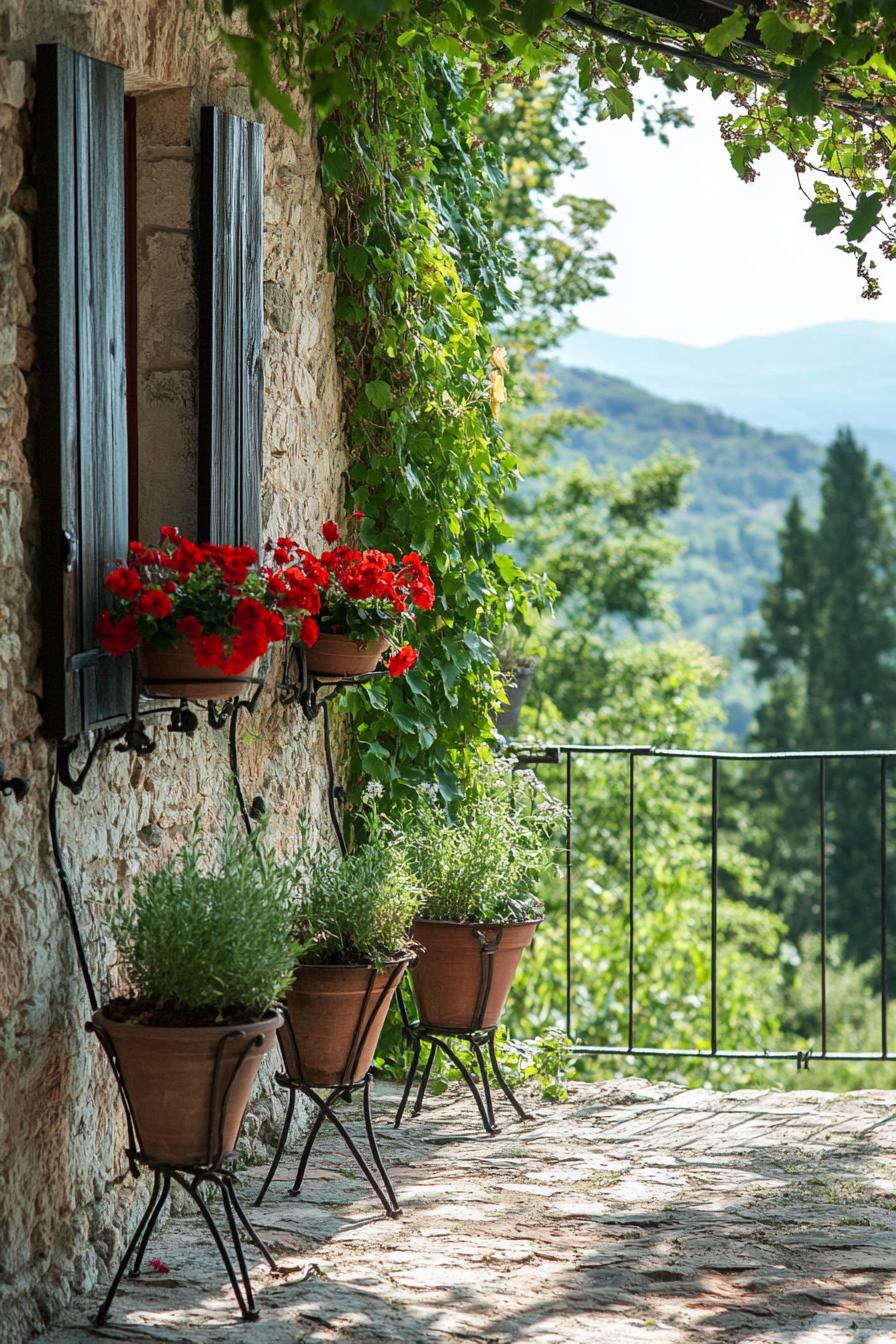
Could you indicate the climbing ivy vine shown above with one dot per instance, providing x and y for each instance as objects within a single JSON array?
[
  {"x": 399, "y": 91},
  {"x": 419, "y": 276}
]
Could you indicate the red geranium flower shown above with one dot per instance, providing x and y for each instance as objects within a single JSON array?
[
  {"x": 154, "y": 602},
  {"x": 216, "y": 596},
  {"x": 185, "y": 559},
  {"x": 117, "y": 637},
  {"x": 402, "y": 661},
  {"x": 124, "y": 582},
  {"x": 208, "y": 650},
  {"x": 330, "y": 532},
  {"x": 423, "y": 594},
  {"x": 309, "y": 631}
]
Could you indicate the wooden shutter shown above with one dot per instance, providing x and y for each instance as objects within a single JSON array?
[
  {"x": 82, "y": 403},
  {"x": 231, "y": 322}
]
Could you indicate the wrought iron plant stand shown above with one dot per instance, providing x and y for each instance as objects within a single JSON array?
[
  {"x": 217, "y": 1170},
  {"x": 324, "y": 1094},
  {"x": 312, "y": 694},
  {"x": 480, "y": 1040}
]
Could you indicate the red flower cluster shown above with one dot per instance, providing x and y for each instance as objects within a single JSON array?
[
  {"x": 231, "y": 609},
  {"x": 402, "y": 661},
  {"x": 218, "y": 597},
  {"x": 361, "y": 592}
]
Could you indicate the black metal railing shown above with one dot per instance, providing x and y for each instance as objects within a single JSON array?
[{"x": 564, "y": 756}]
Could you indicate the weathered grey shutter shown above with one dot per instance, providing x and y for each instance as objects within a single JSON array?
[
  {"x": 82, "y": 409},
  {"x": 231, "y": 322}
]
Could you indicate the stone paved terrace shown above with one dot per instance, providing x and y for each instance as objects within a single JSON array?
[{"x": 636, "y": 1212}]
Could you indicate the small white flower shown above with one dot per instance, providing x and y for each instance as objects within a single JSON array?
[
  {"x": 430, "y": 790},
  {"x": 374, "y": 789}
]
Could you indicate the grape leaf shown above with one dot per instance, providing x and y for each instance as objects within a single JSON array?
[
  {"x": 864, "y": 217},
  {"x": 824, "y": 216},
  {"x": 775, "y": 31},
  {"x": 729, "y": 30},
  {"x": 379, "y": 393}
]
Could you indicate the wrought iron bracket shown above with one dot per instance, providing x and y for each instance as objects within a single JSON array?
[
  {"x": 13, "y": 784},
  {"x": 313, "y": 695}
]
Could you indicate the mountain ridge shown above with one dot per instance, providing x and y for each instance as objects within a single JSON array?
[{"x": 808, "y": 380}]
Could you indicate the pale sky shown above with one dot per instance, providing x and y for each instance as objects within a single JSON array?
[{"x": 701, "y": 256}]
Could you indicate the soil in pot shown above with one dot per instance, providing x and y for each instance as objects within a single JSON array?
[
  {"x": 174, "y": 674},
  {"x": 184, "y": 1115},
  {"x": 448, "y": 972},
  {"x": 336, "y": 1014},
  {"x": 340, "y": 656}
]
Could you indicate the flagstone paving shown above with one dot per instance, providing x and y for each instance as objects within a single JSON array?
[{"x": 635, "y": 1212}]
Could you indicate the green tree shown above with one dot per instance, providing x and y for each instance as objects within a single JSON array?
[
  {"x": 555, "y": 240},
  {"x": 603, "y": 539},
  {"x": 824, "y": 654}
]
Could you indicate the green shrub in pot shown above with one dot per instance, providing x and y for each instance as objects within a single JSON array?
[
  {"x": 207, "y": 947},
  {"x": 477, "y": 867},
  {"x": 353, "y": 921}
]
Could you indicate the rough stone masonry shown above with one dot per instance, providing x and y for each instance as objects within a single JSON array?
[{"x": 65, "y": 1200}]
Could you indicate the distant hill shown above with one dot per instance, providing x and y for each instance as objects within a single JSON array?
[
  {"x": 808, "y": 382},
  {"x": 737, "y": 499}
]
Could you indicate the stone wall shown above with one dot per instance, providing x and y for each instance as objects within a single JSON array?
[{"x": 66, "y": 1201}]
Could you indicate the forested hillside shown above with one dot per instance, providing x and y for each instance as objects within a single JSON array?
[{"x": 737, "y": 496}]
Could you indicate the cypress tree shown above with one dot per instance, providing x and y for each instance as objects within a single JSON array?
[{"x": 825, "y": 653}]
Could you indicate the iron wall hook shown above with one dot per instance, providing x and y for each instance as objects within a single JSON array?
[{"x": 13, "y": 784}]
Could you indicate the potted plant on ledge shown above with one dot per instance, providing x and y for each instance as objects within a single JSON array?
[
  {"x": 518, "y": 667},
  {"x": 352, "y": 921},
  {"x": 201, "y": 617},
  {"x": 368, "y": 601}
]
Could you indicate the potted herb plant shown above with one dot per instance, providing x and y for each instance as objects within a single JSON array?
[
  {"x": 368, "y": 603},
  {"x": 202, "y": 616},
  {"x": 477, "y": 869},
  {"x": 207, "y": 948},
  {"x": 518, "y": 667},
  {"x": 353, "y": 919}
]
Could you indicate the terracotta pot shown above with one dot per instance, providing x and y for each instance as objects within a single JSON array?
[
  {"x": 336, "y": 1015},
  {"x": 517, "y": 688},
  {"x": 340, "y": 656},
  {"x": 169, "y": 1074},
  {"x": 448, "y": 972},
  {"x": 175, "y": 675}
]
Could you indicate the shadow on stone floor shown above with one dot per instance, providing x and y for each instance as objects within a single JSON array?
[{"x": 636, "y": 1211}]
